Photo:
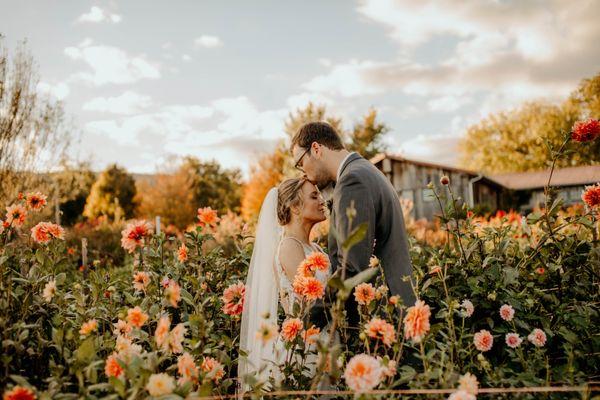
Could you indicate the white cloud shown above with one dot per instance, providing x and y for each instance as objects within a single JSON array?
[
  {"x": 346, "y": 80},
  {"x": 59, "y": 91},
  {"x": 440, "y": 149},
  {"x": 448, "y": 103},
  {"x": 300, "y": 100},
  {"x": 208, "y": 41},
  {"x": 243, "y": 118},
  {"x": 96, "y": 14},
  {"x": 110, "y": 64},
  {"x": 233, "y": 130},
  {"x": 127, "y": 103},
  {"x": 325, "y": 62},
  {"x": 502, "y": 52},
  {"x": 186, "y": 57}
]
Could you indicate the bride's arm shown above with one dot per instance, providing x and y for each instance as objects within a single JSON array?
[{"x": 291, "y": 255}]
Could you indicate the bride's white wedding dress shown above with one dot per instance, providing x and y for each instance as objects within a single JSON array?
[
  {"x": 287, "y": 297},
  {"x": 266, "y": 286}
]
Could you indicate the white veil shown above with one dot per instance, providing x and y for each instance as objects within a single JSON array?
[{"x": 261, "y": 296}]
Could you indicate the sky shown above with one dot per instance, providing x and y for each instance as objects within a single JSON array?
[{"x": 143, "y": 81}]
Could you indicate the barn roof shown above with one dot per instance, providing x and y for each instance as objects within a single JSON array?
[{"x": 569, "y": 176}]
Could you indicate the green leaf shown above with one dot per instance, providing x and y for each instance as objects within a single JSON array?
[
  {"x": 336, "y": 282},
  {"x": 511, "y": 276},
  {"x": 60, "y": 278},
  {"x": 39, "y": 256},
  {"x": 21, "y": 380},
  {"x": 359, "y": 278},
  {"x": 118, "y": 384},
  {"x": 356, "y": 236},
  {"x": 85, "y": 352}
]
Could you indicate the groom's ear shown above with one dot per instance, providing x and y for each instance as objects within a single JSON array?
[{"x": 317, "y": 149}]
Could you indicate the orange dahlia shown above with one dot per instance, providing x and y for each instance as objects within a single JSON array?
[
  {"x": 290, "y": 329},
  {"x": 233, "y": 299},
  {"x": 134, "y": 234},
  {"x": 112, "y": 367},
  {"x": 309, "y": 287},
  {"x": 483, "y": 340},
  {"x": 316, "y": 261},
  {"x": 310, "y": 335},
  {"x": 136, "y": 317},
  {"x": 363, "y": 373},
  {"x": 140, "y": 281},
  {"x": 382, "y": 330},
  {"x": 213, "y": 368},
  {"x": 187, "y": 368},
  {"x": 416, "y": 322},
  {"x": 182, "y": 253},
  {"x": 364, "y": 293},
  {"x": 207, "y": 217},
  {"x": 15, "y": 215},
  {"x": 35, "y": 201}
]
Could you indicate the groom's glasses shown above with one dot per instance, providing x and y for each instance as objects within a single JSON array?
[{"x": 297, "y": 165}]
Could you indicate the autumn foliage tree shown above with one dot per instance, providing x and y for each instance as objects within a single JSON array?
[
  {"x": 516, "y": 140},
  {"x": 111, "y": 195},
  {"x": 214, "y": 186},
  {"x": 177, "y": 193},
  {"x": 267, "y": 173},
  {"x": 156, "y": 196},
  {"x": 365, "y": 137}
]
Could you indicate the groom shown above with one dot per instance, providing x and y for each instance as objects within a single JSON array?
[{"x": 318, "y": 151}]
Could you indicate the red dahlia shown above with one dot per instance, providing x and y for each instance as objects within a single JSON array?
[{"x": 586, "y": 131}]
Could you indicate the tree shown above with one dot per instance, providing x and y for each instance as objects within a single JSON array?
[
  {"x": 311, "y": 113},
  {"x": 193, "y": 184},
  {"x": 267, "y": 173},
  {"x": 112, "y": 195},
  {"x": 214, "y": 186},
  {"x": 365, "y": 137},
  {"x": 32, "y": 133},
  {"x": 156, "y": 197},
  {"x": 514, "y": 141},
  {"x": 73, "y": 185}
]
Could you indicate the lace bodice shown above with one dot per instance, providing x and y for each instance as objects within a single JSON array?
[{"x": 287, "y": 297}]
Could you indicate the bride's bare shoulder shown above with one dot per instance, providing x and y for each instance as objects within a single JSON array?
[{"x": 291, "y": 254}]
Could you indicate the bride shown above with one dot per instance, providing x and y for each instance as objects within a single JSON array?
[{"x": 286, "y": 219}]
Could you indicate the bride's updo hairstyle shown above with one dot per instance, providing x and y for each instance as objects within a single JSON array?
[{"x": 288, "y": 196}]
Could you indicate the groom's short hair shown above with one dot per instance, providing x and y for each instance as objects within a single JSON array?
[{"x": 320, "y": 132}]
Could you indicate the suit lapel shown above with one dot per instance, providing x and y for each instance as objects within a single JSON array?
[{"x": 352, "y": 157}]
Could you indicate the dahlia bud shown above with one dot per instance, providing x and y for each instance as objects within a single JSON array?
[
  {"x": 362, "y": 336},
  {"x": 444, "y": 180}
]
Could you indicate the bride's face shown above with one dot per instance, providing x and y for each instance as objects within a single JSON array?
[{"x": 313, "y": 208}]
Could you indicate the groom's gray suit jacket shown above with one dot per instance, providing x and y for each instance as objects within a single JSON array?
[{"x": 377, "y": 204}]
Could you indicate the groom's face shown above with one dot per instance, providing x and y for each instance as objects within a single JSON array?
[{"x": 310, "y": 162}]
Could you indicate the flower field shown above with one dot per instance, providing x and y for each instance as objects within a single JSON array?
[{"x": 503, "y": 301}]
